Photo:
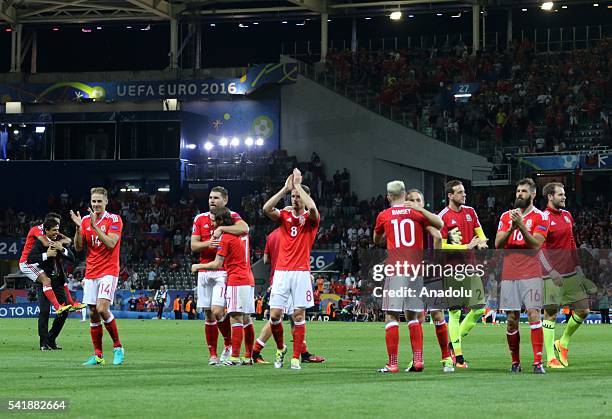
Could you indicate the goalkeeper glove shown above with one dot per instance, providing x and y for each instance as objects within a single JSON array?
[{"x": 454, "y": 236}]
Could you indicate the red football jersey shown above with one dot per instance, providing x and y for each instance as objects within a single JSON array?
[
  {"x": 101, "y": 260},
  {"x": 31, "y": 238},
  {"x": 204, "y": 227},
  {"x": 560, "y": 244},
  {"x": 403, "y": 227},
  {"x": 523, "y": 263},
  {"x": 465, "y": 220},
  {"x": 297, "y": 234},
  {"x": 272, "y": 245},
  {"x": 235, "y": 250},
  {"x": 405, "y": 230}
]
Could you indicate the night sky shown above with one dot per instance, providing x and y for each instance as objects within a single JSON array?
[{"x": 115, "y": 47}]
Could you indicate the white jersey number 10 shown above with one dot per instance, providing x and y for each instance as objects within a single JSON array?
[{"x": 400, "y": 231}]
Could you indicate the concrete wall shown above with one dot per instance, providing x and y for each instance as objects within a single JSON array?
[{"x": 374, "y": 149}]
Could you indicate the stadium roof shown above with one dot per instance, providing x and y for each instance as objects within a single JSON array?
[{"x": 82, "y": 11}]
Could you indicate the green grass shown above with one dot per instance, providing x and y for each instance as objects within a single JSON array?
[{"x": 166, "y": 375}]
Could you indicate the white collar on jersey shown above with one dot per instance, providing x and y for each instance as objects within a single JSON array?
[
  {"x": 102, "y": 217},
  {"x": 530, "y": 211}
]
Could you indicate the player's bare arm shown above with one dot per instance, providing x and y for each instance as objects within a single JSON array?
[
  {"x": 266, "y": 259},
  {"x": 436, "y": 235},
  {"x": 379, "y": 238},
  {"x": 269, "y": 207},
  {"x": 44, "y": 240},
  {"x": 214, "y": 265},
  {"x": 306, "y": 199},
  {"x": 65, "y": 240},
  {"x": 501, "y": 238},
  {"x": 109, "y": 240},
  {"x": 78, "y": 239},
  {"x": 433, "y": 219},
  {"x": 240, "y": 228}
]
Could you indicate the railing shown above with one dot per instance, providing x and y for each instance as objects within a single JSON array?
[
  {"x": 567, "y": 38},
  {"x": 499, "y": 175},
  {"x": 219, "y": 169},
  {"x": 591, "y": 150}
]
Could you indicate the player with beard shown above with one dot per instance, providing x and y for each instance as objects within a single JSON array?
[
  {"x": 233, "y": 256},
  {"x": 522, "y": 232},
  {"x": 564, "y": 284},
  {"x": 211, "y": 283}
]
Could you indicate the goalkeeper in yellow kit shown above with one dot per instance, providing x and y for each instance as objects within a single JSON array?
[{"x": 462, "y": 231}]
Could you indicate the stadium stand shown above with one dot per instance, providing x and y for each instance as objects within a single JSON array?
[{"x": 523, "y": 97}]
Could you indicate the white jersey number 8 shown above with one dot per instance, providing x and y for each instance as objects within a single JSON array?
[
  {"x": 400, "y": 231},
  {"x": 294, "y": 231}
]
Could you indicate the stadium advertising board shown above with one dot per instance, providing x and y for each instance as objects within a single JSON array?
[
  {"x": 10, "y": 248},
  {"x": 591, "y": 161},
  {"x": 74, "y": 91},
  {"x": 319, "y": 259},
  {"x": 11, "y": 311}
]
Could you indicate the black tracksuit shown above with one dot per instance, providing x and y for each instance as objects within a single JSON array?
[{"x": 55, "y": 271}]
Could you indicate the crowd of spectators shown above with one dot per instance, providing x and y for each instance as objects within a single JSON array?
[
  {"x": 523, "y": 99},
  {"x": 156, "y": 240}
]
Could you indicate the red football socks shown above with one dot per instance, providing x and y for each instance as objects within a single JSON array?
[
  {"x": 226, "y": 330},
  {"x": 259, "y": 345},
  {"x": 237, "y": 335},
  {"x": 68, "y": 295},
  {"x": 299, "y": 331},
  {"x": 51, "y": 297},
  {"x": 442, "y": 335},
  {"x": 392, "y": 341},
  {"x": 212, "y": 335},
  {"x": 277, "y": 333},
  {"x": 249, "y": 340},
  {"x": 416, "y": 340},
  {"x": 111, "y": 328},
  {"x": 537, "y": 341},
  {"x": 95, "y": 329},
  {"x": 514, "y": 344}
]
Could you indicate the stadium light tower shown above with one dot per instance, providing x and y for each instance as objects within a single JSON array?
[
  {"x": 249, "y": 142},
  {"x": 223, "y": 142},
  {"x": 259, "y": 142},
  {"x": 208, "y": 146},
  {"x": 235, "y": 142}
]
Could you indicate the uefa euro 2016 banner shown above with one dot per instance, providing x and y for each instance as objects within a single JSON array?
[
  {"x": 255, "y": 77},
  {"x": 591, "y": 161}
]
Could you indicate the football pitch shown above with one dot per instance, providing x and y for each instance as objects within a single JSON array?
[{"x": 166, "y": 375}]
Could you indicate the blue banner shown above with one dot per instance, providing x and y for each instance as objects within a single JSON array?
[
  {"x": 463, "y": 91},
  {"x": 12, "y": 311},
  {"x": 75, "y": 91},
  {"x": 592, "y": 161},
  {"x": 10, "y": 248},
  {"x": 319, "y": 259}
]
